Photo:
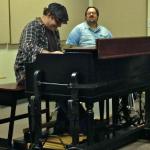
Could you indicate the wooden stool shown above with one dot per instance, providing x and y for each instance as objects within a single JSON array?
[{"x": 9, "y": 95}]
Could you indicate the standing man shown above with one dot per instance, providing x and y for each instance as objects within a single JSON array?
[
  {"x": 86, "y": 33},
  {"x": 40, "y": 36}
]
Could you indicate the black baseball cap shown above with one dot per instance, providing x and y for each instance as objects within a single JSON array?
[{"x": 59, "y": 11}]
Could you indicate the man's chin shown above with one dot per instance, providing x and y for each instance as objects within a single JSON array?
[{"x": 91, "y": 21}]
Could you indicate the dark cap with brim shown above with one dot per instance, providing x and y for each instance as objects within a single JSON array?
[{"x": 59, "y": 11}]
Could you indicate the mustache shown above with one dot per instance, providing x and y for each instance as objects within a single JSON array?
[{"x": 91, "y": 16}]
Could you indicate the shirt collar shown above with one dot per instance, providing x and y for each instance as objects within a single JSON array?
[{"x": 93, "y": 30}]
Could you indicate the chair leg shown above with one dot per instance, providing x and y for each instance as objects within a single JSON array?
[
  {"x": 11, "y": 124},
  {"x": 47, "y": 111},
  {"x": 101, "y": 107}
]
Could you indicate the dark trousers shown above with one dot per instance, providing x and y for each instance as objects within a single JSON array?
[{"x": 62, "y": 122}]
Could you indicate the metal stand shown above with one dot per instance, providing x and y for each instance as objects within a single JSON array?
[
  {"x": 73, "y": 111},
  {"x": 35, "y": 115}
]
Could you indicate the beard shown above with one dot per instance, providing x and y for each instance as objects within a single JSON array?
[{"x": 91, "y": 21}]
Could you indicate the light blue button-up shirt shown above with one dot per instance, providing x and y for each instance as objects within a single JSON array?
[{"x": 83, "y": 35}]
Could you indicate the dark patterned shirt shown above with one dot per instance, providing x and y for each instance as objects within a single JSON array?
[{"x": 34, "y": 38}]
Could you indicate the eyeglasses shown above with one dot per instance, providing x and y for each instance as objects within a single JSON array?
[{"x": 89, "y": 13}]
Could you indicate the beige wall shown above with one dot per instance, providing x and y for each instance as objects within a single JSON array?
[
  {"x": 148, "y": 19},
  {"x": 4, "y": 21},
  {"x": 123, "y": 17},
  {"x": 7, "y": 58}
]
